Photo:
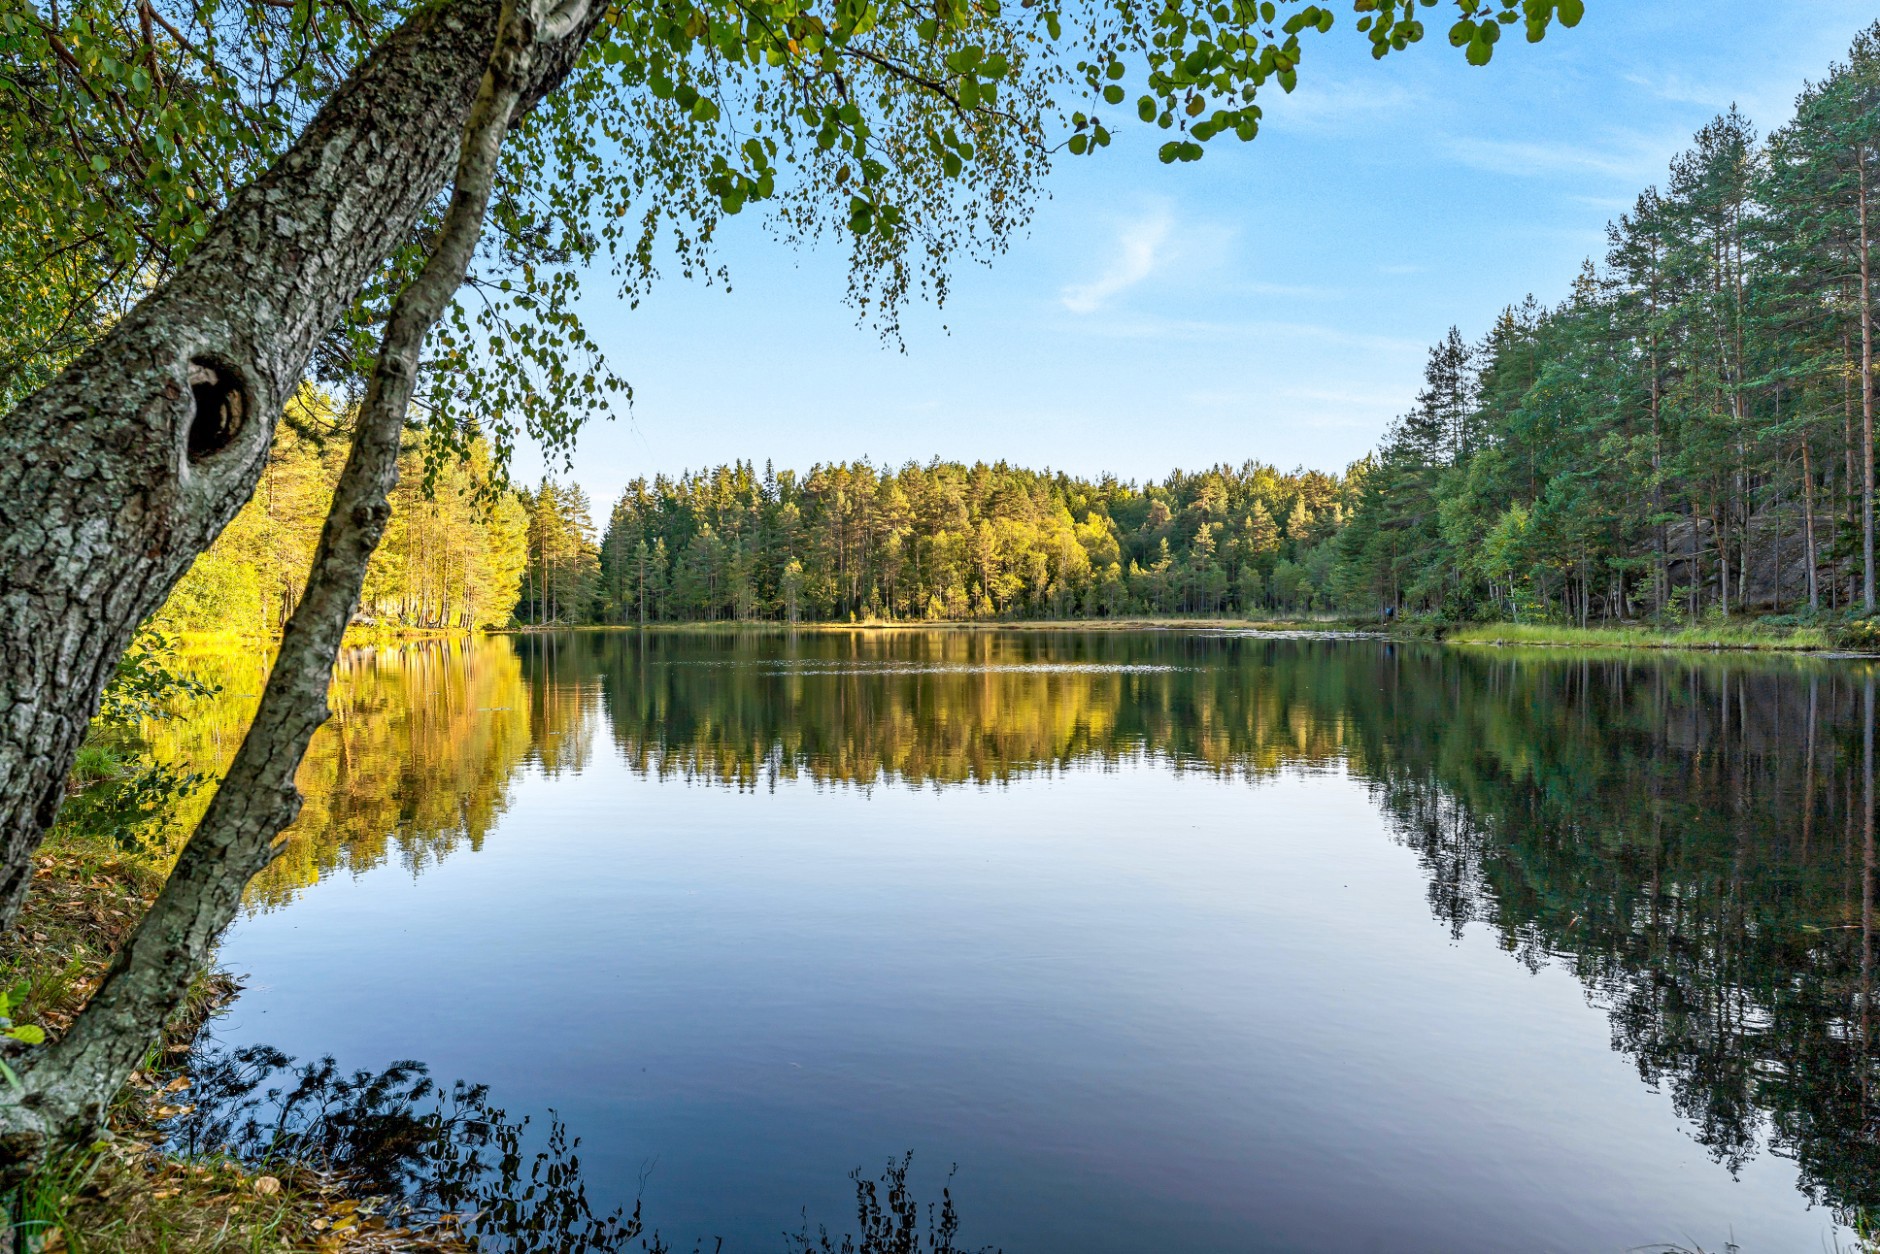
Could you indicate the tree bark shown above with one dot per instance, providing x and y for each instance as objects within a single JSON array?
[
  {"x": 1866, "y": 394},
  {"x": 1808, "y": 528},
  {"x": 65, "y": 1089},
  {"x": 120, "y": 471}
]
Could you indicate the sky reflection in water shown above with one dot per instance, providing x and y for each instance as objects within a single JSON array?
[{"x": 1171, "y": 942}]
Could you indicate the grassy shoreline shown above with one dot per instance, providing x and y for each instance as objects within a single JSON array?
[{"x": 1748, "y": 636}]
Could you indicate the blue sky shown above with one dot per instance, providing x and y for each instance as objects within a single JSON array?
[{"x": 1273, "y": 301}]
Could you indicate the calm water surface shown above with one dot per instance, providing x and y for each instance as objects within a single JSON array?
[{"x": 1186, "y": 942}]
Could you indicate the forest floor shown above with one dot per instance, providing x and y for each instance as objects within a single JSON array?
[{"x": 126, "y": 1193}]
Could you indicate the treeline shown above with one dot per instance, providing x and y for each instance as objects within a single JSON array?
[
  {"x": 1690, "y": 432},
  {"x": 937, "y": 541},
  {"x": 452, "y": 556}
]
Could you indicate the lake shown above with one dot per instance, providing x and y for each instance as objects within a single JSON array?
[{"x": 1205, "y": 941}]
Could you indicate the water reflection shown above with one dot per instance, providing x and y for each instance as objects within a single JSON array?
[
  {"x": 943, "y": 708},
  {"x": 442, "y": 1161},
  {"x": 1695, "y": 843},
  {"x": 448, "y": 1164},
  {"x": 417, "y": 760},
  {"x": 1691, "y": 837}
]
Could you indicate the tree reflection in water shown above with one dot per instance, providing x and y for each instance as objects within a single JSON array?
[
  {"x": 1692, "y": 837},
  {"x": 448, "y": 1162},
  {"x": 441, "y": 1159}
]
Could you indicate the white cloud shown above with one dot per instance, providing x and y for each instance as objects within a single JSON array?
[
  {"x": 1632, "y": 157},
  {"x": 1141, "y": 249},
  {"x": 1681, "y": 89},
  {"x": 1765, "y": 98},
  {"x": 1329, "y": 104},
  {"x": 1351, "y": 408},
  {"x": 1607, "y": 204},
  {"x": 1300, "y": 291},
  {"x": 1263, "y": 335}
]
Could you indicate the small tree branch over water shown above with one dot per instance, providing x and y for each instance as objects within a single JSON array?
[{"x": 218, "y": 199}]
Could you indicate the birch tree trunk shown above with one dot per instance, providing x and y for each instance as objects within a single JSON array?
[
  {"x": 66, "y": 1087},
  {"x": 119, "y": 472},
  {"x": 150, "y": 442}
]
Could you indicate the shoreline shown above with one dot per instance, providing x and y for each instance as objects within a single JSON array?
[
  {"x": 1827, "y": 640},
  {"x": 130, "y": 1192},
  {"x": 1327, "y": 626},
  {"x": 1748, "y": 636}
]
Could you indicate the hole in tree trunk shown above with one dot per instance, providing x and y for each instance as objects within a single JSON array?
[{"x": 217, "y": 419}]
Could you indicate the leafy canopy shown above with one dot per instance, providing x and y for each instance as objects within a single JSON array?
[{"x": 916, "y": 130}]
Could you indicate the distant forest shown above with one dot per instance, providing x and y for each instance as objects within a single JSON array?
[
  {"x": 1688, "y": 434},
  {"x": 940, "y": 541}
]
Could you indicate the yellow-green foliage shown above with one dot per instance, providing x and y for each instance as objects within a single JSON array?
[
  {"x": 425, "y": 736},
  {"x": 450, "y": 558},
  {"x": 849, "y": 542}
]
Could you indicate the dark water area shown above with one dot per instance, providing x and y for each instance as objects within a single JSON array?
[{"x": 1170, "y": 941}]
